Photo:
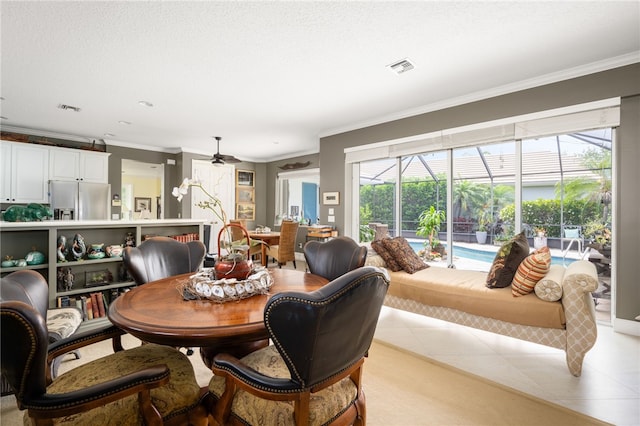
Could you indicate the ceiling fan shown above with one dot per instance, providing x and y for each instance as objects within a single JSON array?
[{"x": 220, "y": 159}]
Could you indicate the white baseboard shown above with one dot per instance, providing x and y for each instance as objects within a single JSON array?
[{"x": 626, "y": 326}]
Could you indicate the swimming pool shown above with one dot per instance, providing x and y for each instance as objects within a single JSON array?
[{"x": 482, "y": 255}]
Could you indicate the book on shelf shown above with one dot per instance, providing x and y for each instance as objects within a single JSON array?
[
  {"x": 63, "y": 302},
  {"x": 97, "y": 300},
  {"x": 87, "y": 309}
]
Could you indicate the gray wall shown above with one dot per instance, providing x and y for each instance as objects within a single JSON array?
[
  {"x": 627, "y": 232},
  {"x": 623, "y": 82}
]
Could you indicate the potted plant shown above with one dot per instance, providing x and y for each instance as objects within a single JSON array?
[
  {"x": 539, "y": 237},
  {"x": 599, "y": 235},
  {"x": 429, "y": 223},
  {"x": 481, "y": 230}
]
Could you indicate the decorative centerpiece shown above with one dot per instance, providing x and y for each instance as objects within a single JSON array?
[
  {"x": 204, "y": 286},
  {"x": 236, "y": 261}
]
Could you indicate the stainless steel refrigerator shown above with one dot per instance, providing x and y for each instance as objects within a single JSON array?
[{"x": 80, "y": 200}]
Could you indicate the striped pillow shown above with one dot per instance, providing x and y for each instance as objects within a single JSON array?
[{"x": 532, "y": 269}]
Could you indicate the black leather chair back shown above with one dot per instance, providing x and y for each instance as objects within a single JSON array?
[
  {"x": 23, "y": 350},
  {"x": 161, "y": 257},
  {"x": 335, "y": 257},
  {"x": 321, "y": 333},
  {"x": 26, "y": 286}
]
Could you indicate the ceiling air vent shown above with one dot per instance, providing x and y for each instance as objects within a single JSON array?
[
  {"x": 68, "y": 107},
  {"x": 401, "y": 66}
]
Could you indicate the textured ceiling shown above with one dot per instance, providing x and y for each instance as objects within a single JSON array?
[{"x": 272, "y": 77}]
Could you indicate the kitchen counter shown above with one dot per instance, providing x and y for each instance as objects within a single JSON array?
[{"x": 45, "y": 224}]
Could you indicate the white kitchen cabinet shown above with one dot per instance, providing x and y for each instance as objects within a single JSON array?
[
  {"x": 77, "y": 165},
  {"x": 25, "y": 173}
]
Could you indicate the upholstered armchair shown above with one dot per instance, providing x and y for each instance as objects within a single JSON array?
[
  {"x": 335, "y": 257},
  {"x": 313, "y": 370},
  {"x": 64, "y": 337},
  {"x": 160, "y": 257},
  {"x": 284, "y": 251},
  {"x": 149, "y": 384}
]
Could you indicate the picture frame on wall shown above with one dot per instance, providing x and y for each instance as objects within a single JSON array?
[
  {"x": 245, "y": 178},
  {"x": 245, "y": 194},
  {"x": 141, "y": 203},
  {"x": 331, "y": 198},
  {"x": 246, "y": 211}
]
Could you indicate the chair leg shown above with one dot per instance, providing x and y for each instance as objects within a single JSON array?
[{"x": 294, "y": 265}]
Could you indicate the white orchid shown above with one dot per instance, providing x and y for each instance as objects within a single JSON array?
[
  {"x": 180, "y": 191},
  {"x": 213, "y": 203}
]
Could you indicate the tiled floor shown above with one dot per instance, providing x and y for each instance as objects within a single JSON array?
[{"x": 609, "y": 388}]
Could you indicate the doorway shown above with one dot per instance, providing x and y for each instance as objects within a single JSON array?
[{"x": 142, "y": 185}]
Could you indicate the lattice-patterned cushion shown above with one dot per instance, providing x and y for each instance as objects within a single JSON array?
[
  {"x": 323, "y": 407},
  {"x": 62, "y": 322},
  {"x": 404, "y": 254},
  {"x": 389, "y": 260},
  {"x": 549, "y": 288},
  {"x": 507, "y": 260},
  {"x": 179, "y": 395},
  {"x": 531, "y": 270}
]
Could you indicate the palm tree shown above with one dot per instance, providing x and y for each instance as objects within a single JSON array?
[{"x": 466, "y": 196}]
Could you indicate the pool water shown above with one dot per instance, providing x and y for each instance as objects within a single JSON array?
[{"x": 481, "y": 255}]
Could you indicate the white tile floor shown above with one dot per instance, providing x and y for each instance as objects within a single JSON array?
[{"x": 609, "y": 388}]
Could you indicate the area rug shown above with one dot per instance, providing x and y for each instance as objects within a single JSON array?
[{"x": 403, "y": 389}]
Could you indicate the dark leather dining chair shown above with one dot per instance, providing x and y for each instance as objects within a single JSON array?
[
  {"x": 149, "y": 384},
  {"x": 161, "y": 257},
  {"x": 314, "y": 367},
  {"x": 31, "y": 288},
  {"x": 335, "y": 257}
]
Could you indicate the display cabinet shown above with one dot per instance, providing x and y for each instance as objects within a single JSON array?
[{"x": 83, "y": 279}]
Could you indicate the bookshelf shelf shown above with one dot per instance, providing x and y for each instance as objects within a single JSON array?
[{"x": 20, "y": 237}]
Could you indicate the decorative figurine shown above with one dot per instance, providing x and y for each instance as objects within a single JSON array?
[
  {"x": 68, "y": 279},
  {"x": 130, "y": 240},
  {"x": 62, "y": 251},
  {"x": 78, "y": 249}
]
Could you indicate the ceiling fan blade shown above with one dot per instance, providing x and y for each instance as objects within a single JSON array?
[{"x": 230, "y": 159}]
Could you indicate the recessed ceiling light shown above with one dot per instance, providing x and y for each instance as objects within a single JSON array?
[
  {"x": 401, "y": 66},
  {"x": 3, "y": 118},
  {"x": 145, "y": 103},
  {"x": 109, "y": 135},
  {"x": 126, "y": 123}
]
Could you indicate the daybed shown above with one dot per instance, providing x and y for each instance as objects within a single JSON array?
[{"x": 462, "y": 297}]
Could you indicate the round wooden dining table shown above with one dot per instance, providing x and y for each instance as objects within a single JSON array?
[{"x": 156, "y": 312}]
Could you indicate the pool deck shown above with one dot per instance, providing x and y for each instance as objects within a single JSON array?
[{"x": 478, "y": 265}]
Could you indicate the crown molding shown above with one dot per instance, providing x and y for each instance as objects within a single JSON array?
[{"x": 567, "y": 74}]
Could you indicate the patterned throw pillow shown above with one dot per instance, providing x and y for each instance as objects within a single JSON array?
[
  {"x": 389, "y": 260},
  {"x": 507, "y": 260},
  {"x": 404, "y": 254},
  {"x": 532, "y": 269},
  {"x": 549, "y": 288}
]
